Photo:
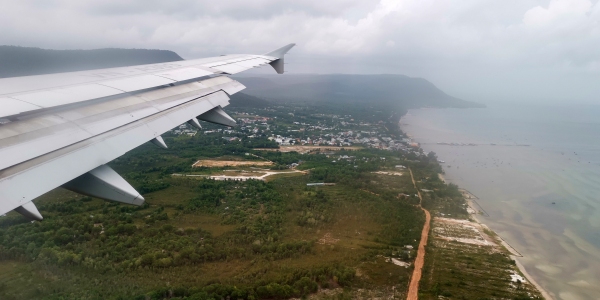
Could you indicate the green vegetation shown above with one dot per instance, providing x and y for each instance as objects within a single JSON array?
[
  {"x": 197, "y": 238},
  {"x": 267, "y": 232},
  {"x": 205, "y": 239}
]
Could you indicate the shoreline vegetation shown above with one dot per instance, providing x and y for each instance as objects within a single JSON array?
[{"x": 474, "y": 209}]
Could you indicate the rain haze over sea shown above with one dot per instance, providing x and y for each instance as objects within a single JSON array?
[{"x": 536, "y": 172}]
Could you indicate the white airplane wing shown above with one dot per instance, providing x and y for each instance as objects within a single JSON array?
[{"x": 62, "y": 129}]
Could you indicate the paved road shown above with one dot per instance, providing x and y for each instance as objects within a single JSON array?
[{"x": 413, "y": 288}]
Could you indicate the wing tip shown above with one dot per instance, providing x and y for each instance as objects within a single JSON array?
[{"x": 280, "y": 52}]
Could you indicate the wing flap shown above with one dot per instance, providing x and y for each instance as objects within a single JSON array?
[
  {"x": 12, "y": 107},
  {"x": 231, "y": 68},
  {"x": 25, "y": 139},
  {"x": 65, "y": 164}
]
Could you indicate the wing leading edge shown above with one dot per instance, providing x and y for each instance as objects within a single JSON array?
[{"x": 62, "y": 129}]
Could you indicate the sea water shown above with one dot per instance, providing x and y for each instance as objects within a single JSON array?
[{"x": 536, "y": 172}]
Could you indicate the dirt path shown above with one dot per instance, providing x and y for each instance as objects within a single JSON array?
[{"x": 413, "y": 288}]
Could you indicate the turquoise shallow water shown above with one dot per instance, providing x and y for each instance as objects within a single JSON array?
[{"x": 543, "y": 198}]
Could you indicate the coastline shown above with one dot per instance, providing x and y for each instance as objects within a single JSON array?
[
  {"x": 474, "y": 210},
  {"x": 545, "y": 293},
  {"x": 541, "y": 199},
  {"x": 468, "y": 196}
]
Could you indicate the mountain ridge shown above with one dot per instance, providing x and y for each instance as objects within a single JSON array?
[
  {"x": 391, "y": 89},
  {"x": 26, "y": 61}
]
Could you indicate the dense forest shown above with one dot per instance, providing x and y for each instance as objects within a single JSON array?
[
  {"x": 87, "y": 236},
  {"x": 279, "y": 238}
]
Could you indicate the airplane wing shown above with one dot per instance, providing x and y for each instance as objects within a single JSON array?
[{"x": 62, "y": 129}]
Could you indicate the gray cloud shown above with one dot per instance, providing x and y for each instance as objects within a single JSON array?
[{"x": 542, "y": 50}]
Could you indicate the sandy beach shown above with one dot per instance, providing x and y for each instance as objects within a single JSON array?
[
  {"x": 532, "y": 280},
  {"x": 474, "y": 211},
  {"x": 541, "y": 200}
]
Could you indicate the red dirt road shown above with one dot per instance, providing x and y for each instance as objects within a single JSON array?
[{"x": 413, "y": 288}]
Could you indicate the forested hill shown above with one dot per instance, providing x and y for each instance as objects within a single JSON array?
[
  {"x": 397, "y": 91},
  {"x": 23, "y": 61},
  {"x": 244, "y": 100}
]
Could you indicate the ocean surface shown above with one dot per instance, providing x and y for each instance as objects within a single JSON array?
[{"x": 536, "y": 172}]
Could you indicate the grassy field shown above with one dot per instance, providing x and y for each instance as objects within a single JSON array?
[{"x": 334, "y": 229}]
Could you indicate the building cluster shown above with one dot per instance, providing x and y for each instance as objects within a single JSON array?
[
  {"x": 343, "y": 138},
  {"x": 184, "y": 130},
  {"x": 325, "y": 140},
  {"x": 315, "y": 130}
]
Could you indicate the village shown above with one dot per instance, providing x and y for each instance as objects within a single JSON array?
[{"x": 318, "y": 130}]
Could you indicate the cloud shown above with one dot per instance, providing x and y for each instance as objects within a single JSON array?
[
  {"x": 461, "y": 45},
  {"x": 557, "y": 10}
]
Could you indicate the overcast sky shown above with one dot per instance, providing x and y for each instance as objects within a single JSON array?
[{"x": 481, "y": 50}]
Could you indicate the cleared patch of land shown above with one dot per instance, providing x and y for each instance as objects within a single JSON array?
[
  {"x": 388, "y": 173},
  {"x": 464, "y": 231},
  {"x": 230, "y": 163},
  {"x": 243, "y": 175}
]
